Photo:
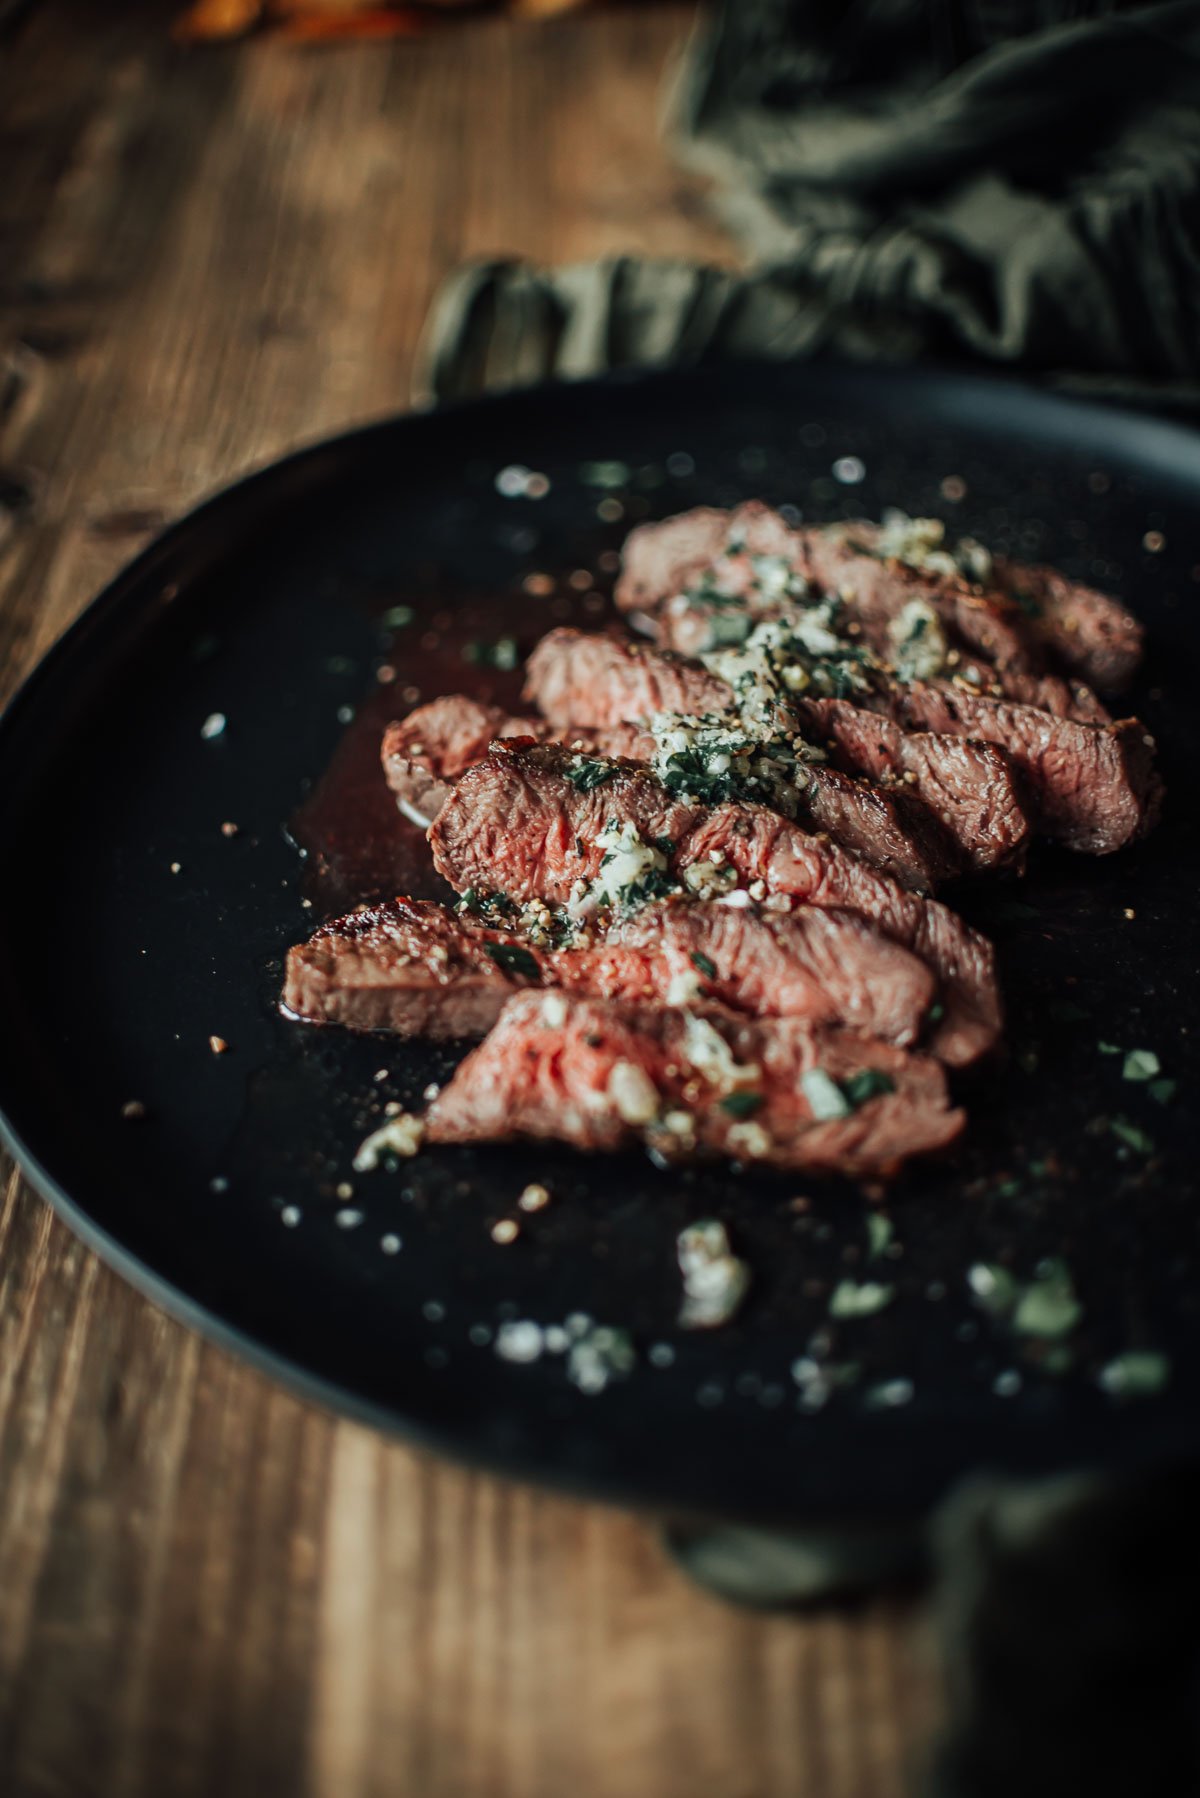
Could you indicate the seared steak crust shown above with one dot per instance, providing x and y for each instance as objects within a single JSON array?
[
  {"x": 412, "y": 968},
  {"x": 599, "y": 1075}
]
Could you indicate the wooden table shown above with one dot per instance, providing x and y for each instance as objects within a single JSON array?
[{"x": 206, "y": 1586}]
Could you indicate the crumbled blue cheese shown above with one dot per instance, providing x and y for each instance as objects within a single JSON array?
[
  {"x": 713, "y": 757},
  {"x": 633, "y": 1094},
  {"x": 631, "y": 871},
  {"x": 399, "y": 1136},
  {"x": 748, "y": 1141},
  {"x": 683, "y": 987},
  {"x": 598, "y": 1356},
  {"x": 921, "y": 543},
  {"x": 826, "y": 1100},
  {"x": 918, "y": 642},
  {"x": 715, "y": 1281},
  {"x": 706, "y": 1050}
]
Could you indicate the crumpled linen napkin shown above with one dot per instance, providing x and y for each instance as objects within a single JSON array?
[{"x": 1014, "y": 182}]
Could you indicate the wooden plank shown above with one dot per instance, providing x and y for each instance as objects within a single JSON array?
[{"x": 205, "y": 1585}]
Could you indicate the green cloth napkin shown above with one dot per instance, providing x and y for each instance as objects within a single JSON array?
[{"x": 1015, "y": 182}]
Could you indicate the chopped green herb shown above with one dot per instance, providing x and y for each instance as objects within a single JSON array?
[
  {"x": 586, "y": 776},
  {"x": 937, "y": 1012},
  {"x": 502, "y": 654},
  {"x": 397, "y": 617},
  {"x": 714, "y": 1280},
  {"x": 853, "y": 1299},
  {"x": 826, "y": 1099},
  {"x": 1138, "y": 1373},
  {"x": 657, "y": 884},
  {"x": 1141, "y": 1064},
  {"x": 1028, "y": 604},
  {"x": 868, "y": 1083},
  {"x": 994, "y": 1287},
  {"x": 1133, "y": 1134},
  {"x": 1108, "y": 1048},
  {"x": 741, "y": 1104},
  {"x": 1164, "y": 1090},
  {"x": 1048, "y": 1307},
  {"x": 1065, "y": 1011},
  {"x": 664, "y": 845},
  {"x": 487, "y": 905},
  {"x": 512, "y": 959},
  {"x": 879, "y": 1234},
  {"x": 603, "y": 474},
  {"x": 703, "y": 965}
]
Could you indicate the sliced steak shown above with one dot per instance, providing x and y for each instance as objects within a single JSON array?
[
  {"x": 922, "y": 837},
  {"x": 407, "y": 966},
  {"x": 967, "y": 785},
  {"x": 412, "y": 968},
  {"x": 1089, "y": 632},
  {"x": 424, "y": 754},
  {"x": 590, "y": 685},
  {"x": 602, "y": 1076},
  {"x": 668, "y": 578},
  {"x": 886, "y": 829},
  {"x": 521, "y": 823},
  {"x": 1091, "y": 787},
  {"x": 575, "y": 677}
]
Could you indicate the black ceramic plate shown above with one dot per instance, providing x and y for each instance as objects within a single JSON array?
[{"x": 268, "y": 607}]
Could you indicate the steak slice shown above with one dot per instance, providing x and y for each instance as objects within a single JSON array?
[
  {"x": 521, "y": 823},
  {"x": 1089, "y": 632},
  {"x": 412, "y": 968},
  {"x": 667, "y": 579},
  {"x": 1091, "y": 787},
  {"x": 424, "y": 754},
  {"x": 886, "y": 829},
  {"x": 929, "y": 830},
  {"x": 967, "y": 785},
  {"x": 590, "y": 685},
  {"x": 602, "y": 1076},
  {"x": 406, "y": 966},
  {"x": 575, "y": 677}
]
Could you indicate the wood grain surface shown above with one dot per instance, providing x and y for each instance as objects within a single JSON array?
[{"x": 206, "y": 1586}]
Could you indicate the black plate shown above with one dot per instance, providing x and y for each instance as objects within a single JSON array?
[{"x": 266, "y": 606}]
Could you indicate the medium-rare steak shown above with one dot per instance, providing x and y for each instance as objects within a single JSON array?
[
  {"x": 412, "y": 968},
  {"x": 1091, "y": 787},
  {"x": 968, "y": 785},
  {"x": 406, "y": 966},
  {"x": 927, "y": 831},
  {"x": 889, "y": 830},
  {"x": 528, "y": 821},
  {"x": 694, "y": 574},
  {"x": 424, "y": 754},
  {"x": 600, "y": 1075},
  {"x": 574, "y": 677},
  {"x": 1091, "y": 633}
]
